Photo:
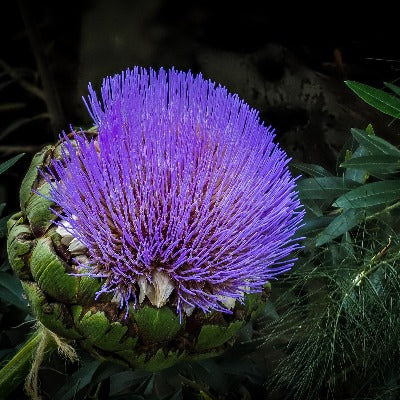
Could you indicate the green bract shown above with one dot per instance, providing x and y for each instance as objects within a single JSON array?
[{"x": 148, "y": 338}]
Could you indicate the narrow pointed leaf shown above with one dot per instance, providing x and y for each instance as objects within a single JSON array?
[
  {"x": 311, "y": 169},
  {"x": 382, "y": 101},
  {"x": 393, "y": 88},
  {"x": 324, "y": 187},
  {"x": 77, "y": 381},
  {"x": 13, "y": 284},
  {"x": 357, "y": 175},
  {"x": 123, "y": 380},
  {"x": 370, "y": 195},
  {"x": 340, "y": 225},
  {"x": 7, "y": 164},
  {"x": 375, "y": 144},
  {"x": 375, "y": 163},
  {"x": 312, "y": 225}
]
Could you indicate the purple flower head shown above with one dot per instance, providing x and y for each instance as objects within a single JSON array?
[{"x": 182, "y": 197}]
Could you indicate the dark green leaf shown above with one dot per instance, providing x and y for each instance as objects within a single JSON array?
[
  {"x": 324, "y": 188},
  {"x": 2, "y": 205},
  {"x": 3, "y": 225},
  {"x": 393, "y": 88},
  {"x": 375, "y": 163},
  {"x": 340, "y": 225},
  {"x": 8, "y": 297},
  {"x": 149, "y": 387},
  {"x": 11, "y": 291},
  {"x": 5, "y": 266},
  {"x": 245, "y": 333},
  {"x": 357, "y": 175},
  {"x": 129, "y": 397},
  {"x": 311, "y": 169},
  {"x": 245, "y": 367},
  {"x": 105, "y": 370},
  {"x": 370, "y": 130},
  {"x": 270, "y": 311},
  {"x": 314, "y": 224},
  {"x": 374, "y": 144},
  {"x": 370, "y": 194},
  {"x": 77, "y": 381},
  {"x": 313, "y": 207},
  {"x": 210, "y": 373},
  {"x": 7, "y": 164},
  {"x": 177, "y": 395},
  {"x": 11, "y": 282},
  {"x": 4, "y": 353},
  {"x": 377, "y": 98},
  {"x": 124, "y": 380}
]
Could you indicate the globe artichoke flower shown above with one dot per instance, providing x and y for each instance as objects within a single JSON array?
[{"x": 152, "y": 237}]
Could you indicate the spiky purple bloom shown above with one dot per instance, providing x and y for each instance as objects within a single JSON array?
[{"x": 184, "y": 183}]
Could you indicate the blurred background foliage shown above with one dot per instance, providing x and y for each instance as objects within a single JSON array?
[{"x": 331, "y": 328}]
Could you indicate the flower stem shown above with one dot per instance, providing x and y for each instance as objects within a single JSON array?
[{"x": 17, "y": 369}]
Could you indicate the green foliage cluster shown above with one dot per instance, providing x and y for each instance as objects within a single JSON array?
[{"x": 337, "y": 320}]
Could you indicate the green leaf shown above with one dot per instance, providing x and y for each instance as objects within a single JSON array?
[
  {"x": 324, "y": 188},
  {"x": 244, "y": 367},
  {"x": 370, "y": 194},
  {"x": 124, "y": 380},
  {"x": 149, "y": 387},
  {"x": 7, "y": 164},
  {"x": 77, "y": 381},
  {"x": 177, "y": 395},
  {"x": 270, "y": 311},
  {"x": 393, "y": 88},
  {"x": 340, "y": 225},
  {"x": 161, "y": 360},
  {"x": 311, "y": 169},
  {"x": 113, "y": 338},
  {"x": 209, "y": 372},
  {"x": 357, "y": 175},
  {"x": 5, "y": 353},
  {"x": 314, "y": 224},
  {"x": 370, "y": 130},
  {"x": 157, "y": 324},
  {"x": 374, "y": 144},
  {"x": 9, "y": 298},
  {"x": 91, "y": 325},
  {"x": 105, "y": 370},
  {"x": 3, "y": 225},
  {"x": 11, "y": 291},
  {"x": 212, "y": 336},
  {"x": 382, "y": 101},
  {"x": 376, "y": 163},
  {"x": 313, "y": 207}
]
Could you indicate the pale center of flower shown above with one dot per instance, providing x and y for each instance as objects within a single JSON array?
[{"x": 157, "y": 290}]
